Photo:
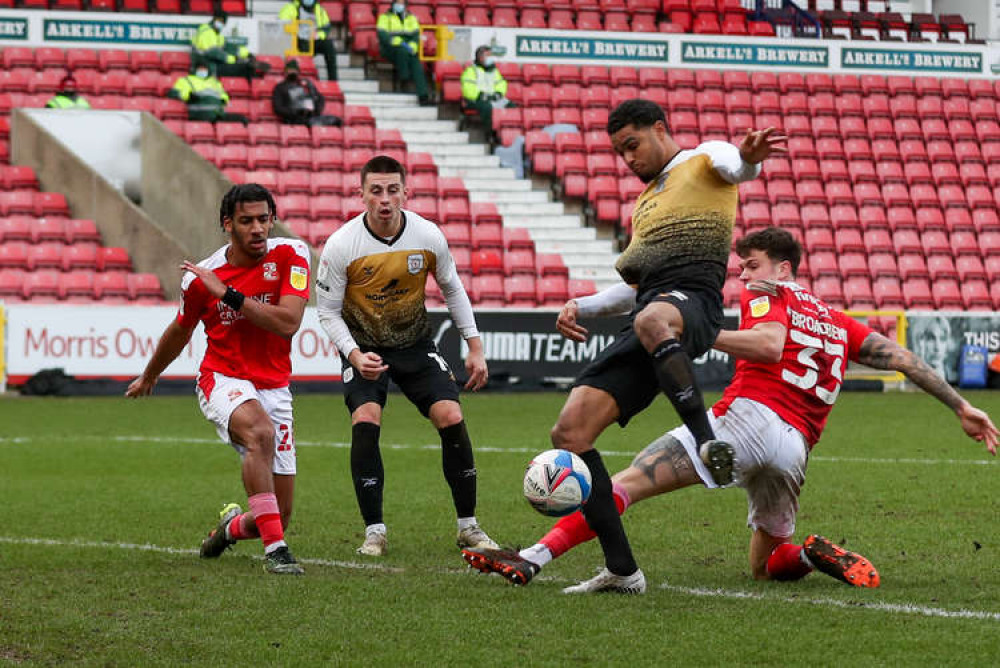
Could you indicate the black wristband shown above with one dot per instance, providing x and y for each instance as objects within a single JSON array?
[{"x": 233, "y": 298}]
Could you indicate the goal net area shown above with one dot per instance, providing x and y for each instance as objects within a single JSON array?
[{"x": 892, "y": 325}]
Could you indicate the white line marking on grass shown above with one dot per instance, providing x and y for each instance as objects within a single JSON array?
[
  {"x": 904, "y": 460},
  {"x": 340, "y": 445},
  {"x": 146, "y": 547},
  {"x": 903, "y": 608},
  {"x": 900, "y": 608}
]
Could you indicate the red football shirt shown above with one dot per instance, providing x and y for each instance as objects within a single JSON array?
[
  {"x": 803, "y": 386},
  {"x": 236, "y": 347}
]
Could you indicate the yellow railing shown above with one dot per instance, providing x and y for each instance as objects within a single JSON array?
[
  {"x": 443, "y": 35},
  {"x": 293, "y": 28}
]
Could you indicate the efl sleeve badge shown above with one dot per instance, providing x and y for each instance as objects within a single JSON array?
[
  {"x": 760, "y": 307},
  {"x": 298, "y": 278}
]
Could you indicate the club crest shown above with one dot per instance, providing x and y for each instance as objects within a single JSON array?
[{"x": 415, "y": 263}]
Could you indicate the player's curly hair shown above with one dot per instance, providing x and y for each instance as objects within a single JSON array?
[
  {"x": 776, "y": 242},
  {"x": 637, "y": 112},
  {"x": 383, "y": 164},
  {"x": 244, "y": 192}
]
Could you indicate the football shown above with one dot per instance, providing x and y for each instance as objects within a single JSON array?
[{"x": 556, "y": 483}]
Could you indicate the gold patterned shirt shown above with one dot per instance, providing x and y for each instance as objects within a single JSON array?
[{"x": 682, "y": 224}]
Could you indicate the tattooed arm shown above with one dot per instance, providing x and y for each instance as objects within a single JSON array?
[{"x": 879, "y": 352}]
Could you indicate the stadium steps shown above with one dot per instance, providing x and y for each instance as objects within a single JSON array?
[{"x": 552, "y": 229}]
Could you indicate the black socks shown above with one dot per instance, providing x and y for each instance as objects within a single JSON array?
[
  {"x": 367, "y": 471},
  {"x": 675, "y": 374},
  {"x": 602, "y": 516},
  {"x": 459, "y": 468}
]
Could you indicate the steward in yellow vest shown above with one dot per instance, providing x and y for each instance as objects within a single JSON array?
[
  {"x": 209, "y": 46},
  {"x": 483, "y": 87},
  {"x": 205, "y": 97},
  {"x": 67, "y": 97},
  {"x": 310, "y": 10},
  {"x": 399, "y": 40}
]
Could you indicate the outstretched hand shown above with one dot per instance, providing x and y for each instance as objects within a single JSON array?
[
  {"x": 567, "y": 325},
  {"x": 215, "y": 287},
  {"x": 758, "y": 145},
  {"x": 977, "y": 425}
]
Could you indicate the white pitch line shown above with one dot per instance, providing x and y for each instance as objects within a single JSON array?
[
  {"x": 904, "y": 608},
  {"x": 340, "y": 445},
  {"x": 878, "y": 606}
]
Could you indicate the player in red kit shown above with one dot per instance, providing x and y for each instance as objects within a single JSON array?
[
  {"x": 791, "y": 351},
  {"x": 250, "y": 295}
]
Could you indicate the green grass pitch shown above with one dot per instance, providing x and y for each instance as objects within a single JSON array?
[{"x": 104, "y": 503}]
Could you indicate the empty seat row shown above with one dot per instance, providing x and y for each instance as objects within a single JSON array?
[
  {"x": 521, "y": 291},
  {"x": 276, "y": 134},
  {"x": 79, "y": 285},
  {"x": 38, "y": 230},
  {"x": 760, "y": 81},
  {"x": 33, "y": 203},
  {"x": 93, "y": 61},
  {"x": 890, "y": 293},
  {"x": 300, "y": 157},
  {"x": 54, "y": 255}
]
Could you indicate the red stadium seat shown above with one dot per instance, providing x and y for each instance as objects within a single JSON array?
[
  {"x": 291, "y": 157},
  {"x": 77, "y": 286},
  {"x": 935, "y": 242},
  {"x": 297, "y": 182},
  {"x": 518, "y": 238},
  {"x": 487, "y": 261},
  {"x": 552, "y": 290},
  {"x": 519, "y": 290},
  {"x": 519, "y": 262},
  {"x": 144, "y": 286},
  {"x": 882, "y": 265},
  {"x": 888, "y": 293},
  {"x": 113, "y": 258},
  {"x": 18, "y": 177}
]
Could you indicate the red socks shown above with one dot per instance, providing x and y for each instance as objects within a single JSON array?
[
  {"x": 264, "y": 507},
  {"x": 786, "y": 563},
  {"x": 573, "y": 530},
  {"x": 242, "y": 527}
]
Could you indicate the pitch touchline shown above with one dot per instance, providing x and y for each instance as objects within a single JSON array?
[
  {"x": 901, "y": 608},
  {"x": 874, "y": 605},
  {"x": 481, "y": 448}
]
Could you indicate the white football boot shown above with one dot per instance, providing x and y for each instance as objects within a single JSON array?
[
  {"x": 475, "y": 537},
  {"x": 375, "y": 544},
  {"x": 606, "y": 581}
]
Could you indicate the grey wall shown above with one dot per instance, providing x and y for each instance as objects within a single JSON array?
[
  {"x": 90, "y": 195},
  {"x": 181, "y": 190}
]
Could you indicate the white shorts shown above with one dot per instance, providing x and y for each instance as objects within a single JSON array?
[
  {"x": 220, "y": 395},
  {"x": 771, "y": 457}
]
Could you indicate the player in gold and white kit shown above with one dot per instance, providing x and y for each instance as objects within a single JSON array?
[
  {"x": 370, "y": 300},
  {"x": 675, "y": 264}
]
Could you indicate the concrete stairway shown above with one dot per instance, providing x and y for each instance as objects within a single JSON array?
[{"x": 552, "y": 229}]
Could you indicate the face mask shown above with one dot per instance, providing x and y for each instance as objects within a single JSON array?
[
  {"x": 398, "y": 7},
  {"x": 70, "y": 92},
  {"x": 308, "y": 3},
  {"x": 219, "y": 25},
  {"x": 201, "y": 74},
  {"x": 490, "y": 61}
]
